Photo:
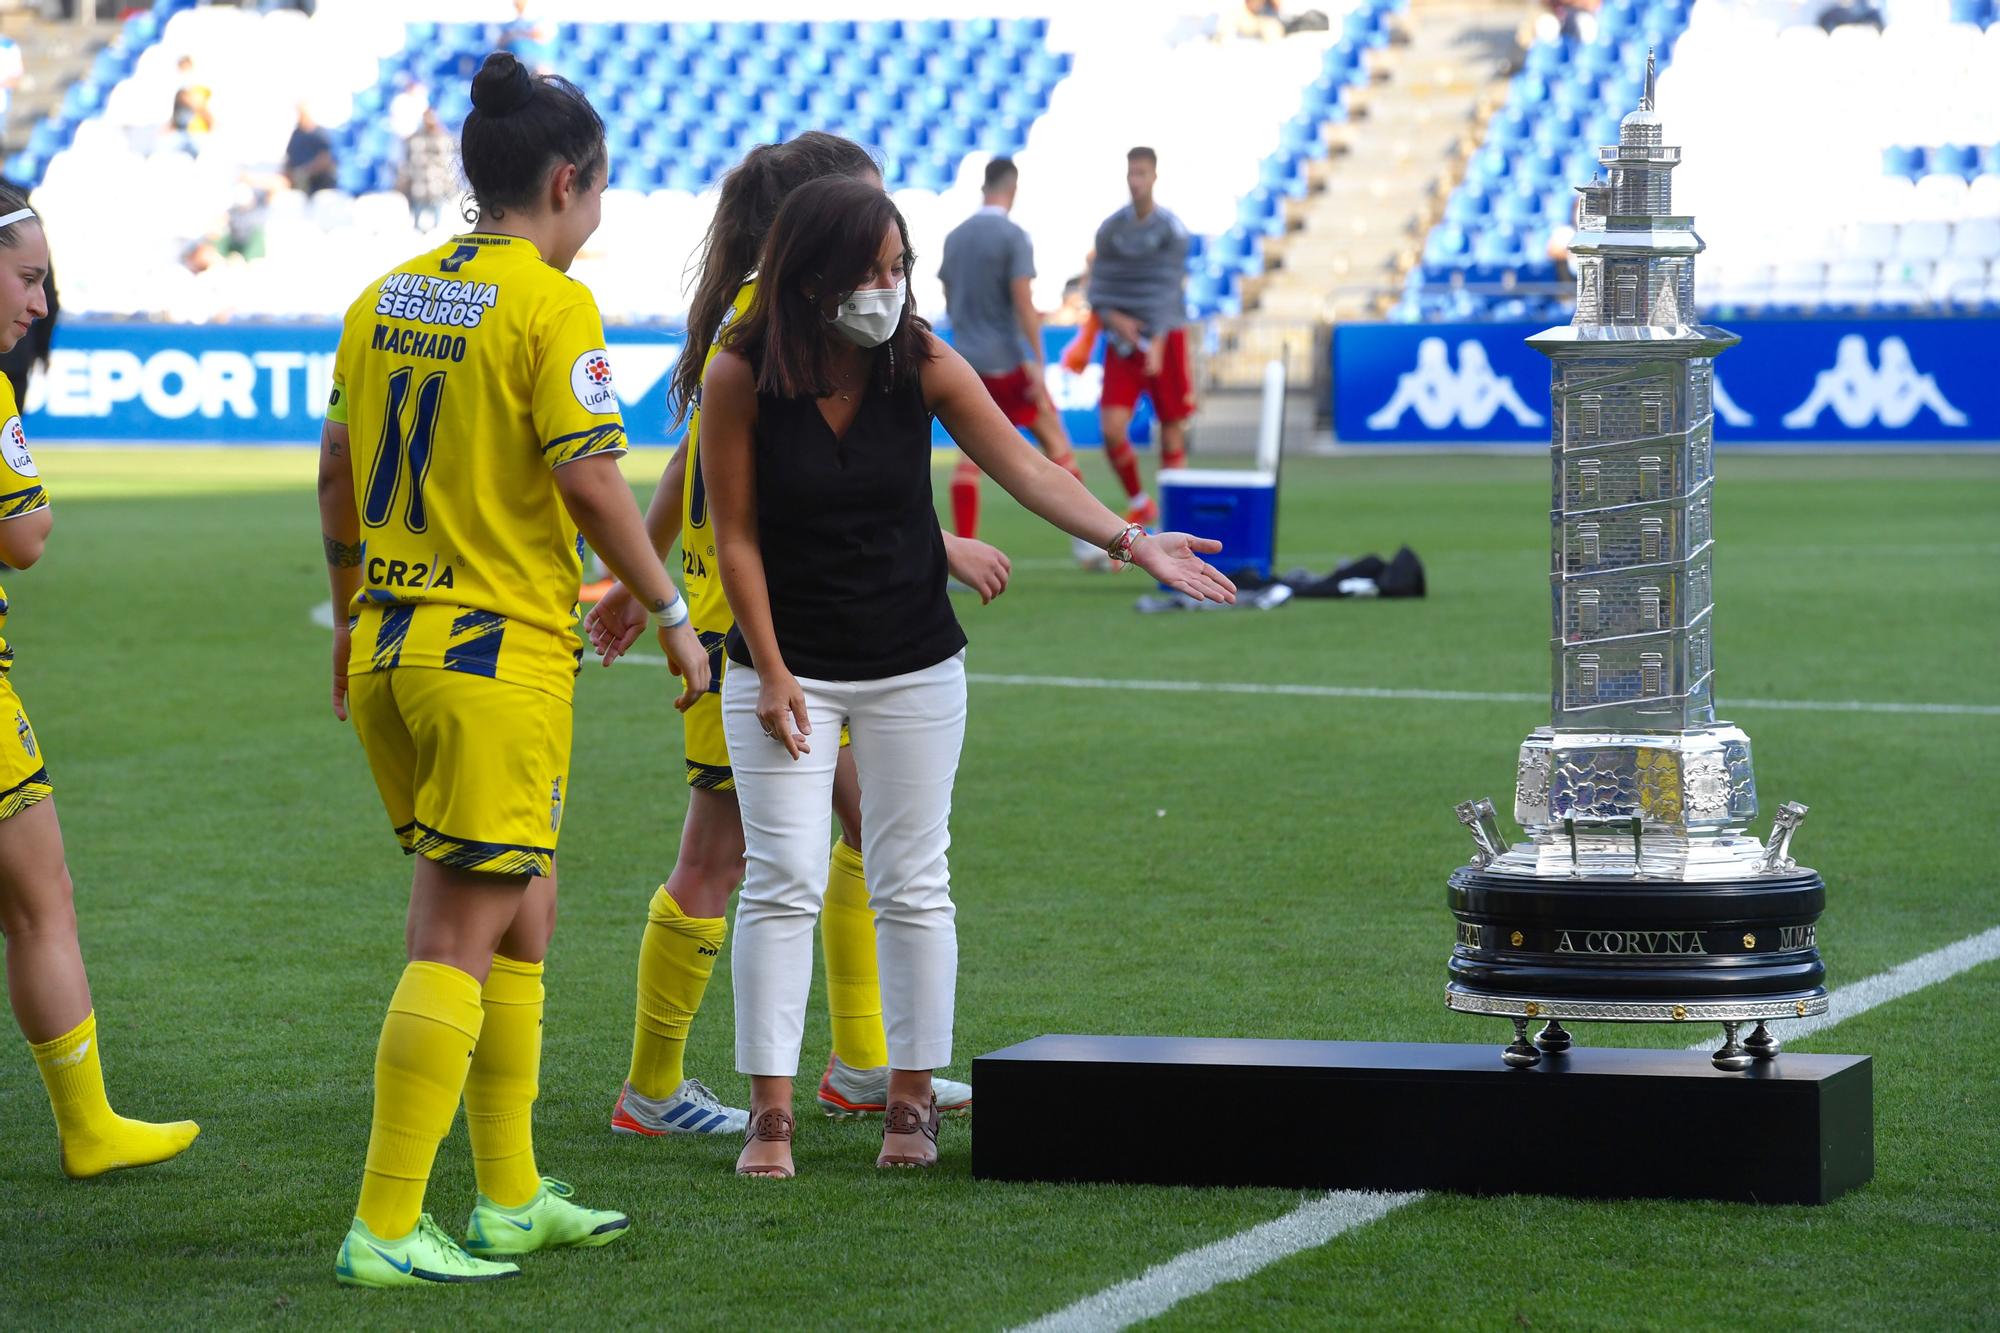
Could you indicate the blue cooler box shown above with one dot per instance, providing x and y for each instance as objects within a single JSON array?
[{"x": 1239, "y": 509}]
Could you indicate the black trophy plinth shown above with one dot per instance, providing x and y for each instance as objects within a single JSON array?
[
  {"x": 1629, "y": 949},
  {"x": 1405, "y": 1116}
]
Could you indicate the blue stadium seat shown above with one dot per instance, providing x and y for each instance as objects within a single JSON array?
[
  {"x": 1954, "y": 159},
  {"x": 1899, "y": 160}
]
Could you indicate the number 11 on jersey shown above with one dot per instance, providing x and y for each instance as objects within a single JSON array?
[{"x": 397, "y": 445}]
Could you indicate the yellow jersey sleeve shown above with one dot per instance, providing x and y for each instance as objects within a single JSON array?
[
  {"x": 21, "y": 489},
  {"x": 575, "y": 406}
]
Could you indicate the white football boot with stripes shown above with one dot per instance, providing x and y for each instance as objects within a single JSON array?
[
  {"x": 691, "y": 1109},
  {"x": 847, "y": 1093}
]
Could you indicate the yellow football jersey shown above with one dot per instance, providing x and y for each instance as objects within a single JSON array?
[
  {"x": 465, "y": 377},
  {"x": 703, "y": 581},
  {"x": 23, "y": 490}
]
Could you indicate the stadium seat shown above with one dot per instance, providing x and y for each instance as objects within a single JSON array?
[
  {"x": 1926, "y": 240},
  {"x": 1976, "y": 238}
]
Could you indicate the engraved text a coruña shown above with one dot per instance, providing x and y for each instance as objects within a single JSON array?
[{"x": 1630, "y": 941}]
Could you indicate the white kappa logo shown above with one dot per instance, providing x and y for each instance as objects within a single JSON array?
[
  {"x": 14, "y": 448},
  {"x": 1469, "y": 396},
  {"x": 1725, "y": 406},
  {"x": 590, "y": 381},
  {"x": 1861, "y": 394}
]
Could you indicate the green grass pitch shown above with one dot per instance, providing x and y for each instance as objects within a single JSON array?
[{"x": 1218, "y": 864}]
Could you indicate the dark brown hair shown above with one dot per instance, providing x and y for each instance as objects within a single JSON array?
[
  {"x": 1143, "y": 154},
  {"x": 521, "y": 127},
  {"x": 751, "y": 195},
  {"x": 1000, "y": 173},
  {"x": 13, "y": 200},
  {"x": 825, "y": 240}
]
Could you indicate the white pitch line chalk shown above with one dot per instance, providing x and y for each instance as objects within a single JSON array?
[
  {"x": 1414, "y": 695},
  {"x": 1166, "y": 1285},
  {"x": 1320, "y": 1220},
  {"x": 1443, "y": 696}
]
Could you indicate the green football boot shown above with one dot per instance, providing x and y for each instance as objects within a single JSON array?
[
  {"x": 425, "y": 1256},
  {"x": 545, "y": 1222}
]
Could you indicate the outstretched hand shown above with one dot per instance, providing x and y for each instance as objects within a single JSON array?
[
  {"x": 615, "y": 623},
  {"x": 689, "y": 661},
  {"x": 1174, "y": 558}
]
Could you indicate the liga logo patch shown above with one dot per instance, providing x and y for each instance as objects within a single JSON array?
[
  {"x": 14, "y": 447},
  {"x": 590, "y": 381}
]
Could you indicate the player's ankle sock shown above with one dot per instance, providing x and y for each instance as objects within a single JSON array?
[
  {"x": 676, "y": 958},
  {"x": 853, "y": 985},
  {"x": 965, "y": 500},
  {"x": 501, "y": 1084},
  {"x": 1125, "y": 462},
  {"x": 1178, "y": 459},
  {"x": 96, "y": 1139},
  {"x": 420, "y": 1068}
]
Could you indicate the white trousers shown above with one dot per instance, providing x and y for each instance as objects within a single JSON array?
[{"x": 907, "y": 732}]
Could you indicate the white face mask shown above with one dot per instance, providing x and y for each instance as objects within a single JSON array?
[{"x": 867, "y": 318}]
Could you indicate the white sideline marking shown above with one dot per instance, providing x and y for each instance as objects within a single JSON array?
[
  {"x": 1430, "y": 696},
  {"x": 1166, "y": 1285},
  {"x": 322, "y": 615},
  {"x": 1320, "y": 1220},
  {"x": 1445, "y": 696}
]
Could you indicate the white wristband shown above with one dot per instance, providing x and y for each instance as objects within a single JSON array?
[{"x": 674, "y": 616}]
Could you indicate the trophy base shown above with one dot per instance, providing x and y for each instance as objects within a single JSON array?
[
  {"x": 1618, "y": 950},
  {"x": 1420, "y": 1116},
  {"x": 1733, "y": 1056}
]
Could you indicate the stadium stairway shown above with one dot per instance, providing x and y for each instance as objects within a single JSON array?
[
  {"x": 1395, "y": 158},
  {"x": 55, "y": 54}
]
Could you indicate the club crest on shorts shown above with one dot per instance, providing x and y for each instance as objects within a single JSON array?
[
  {"x": 25, "y": 732},
  {"x": 590, "y": 381},
  {"x": 555, "y": 805}
]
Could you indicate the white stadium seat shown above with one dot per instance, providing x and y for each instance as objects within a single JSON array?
[
  {"x": 1923, "y": 241},
  {"x": 1958, "y": 280},
  {"x": 1977, "y": 238}
]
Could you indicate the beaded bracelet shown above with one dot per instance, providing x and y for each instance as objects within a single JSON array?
[{"x": 1120, "y": 547}]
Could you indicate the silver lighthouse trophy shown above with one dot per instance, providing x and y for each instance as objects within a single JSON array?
[{"x": 1639, "y": 895}]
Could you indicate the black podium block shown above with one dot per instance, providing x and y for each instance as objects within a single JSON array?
[{"x": 1595, "y": 1123}]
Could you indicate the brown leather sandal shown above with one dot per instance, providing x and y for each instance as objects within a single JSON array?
[
  {"x": 905, "y": 1119},
  {"x": 772, "y": 1125}
]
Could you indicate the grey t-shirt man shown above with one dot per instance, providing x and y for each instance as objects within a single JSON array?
[
  {"x": 983, "y": 256},
  {"x": 1140, "y": 268}
]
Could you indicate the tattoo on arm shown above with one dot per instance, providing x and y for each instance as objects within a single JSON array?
[
  {"x": 335, "y": 449},
  {"x": 341, "y": 555}
]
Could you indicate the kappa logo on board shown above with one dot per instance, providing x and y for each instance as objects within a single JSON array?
[
  {"x": 1469, "y": 395},
  {"x": 1890, "y": 389}
]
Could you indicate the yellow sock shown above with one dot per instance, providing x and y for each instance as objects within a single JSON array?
[
  {"x": 853, "y": 986},
  {"x": 420, "y": 1067},
  {"x": 96, "y": 1139},
  {"x": 676, "y": 959},
  {"x": 500, "y": 1087}
]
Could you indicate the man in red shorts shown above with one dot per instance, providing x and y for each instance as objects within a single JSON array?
[
  {"x": 1136, "y": 291},
  {"x": 988, "y": 267}
]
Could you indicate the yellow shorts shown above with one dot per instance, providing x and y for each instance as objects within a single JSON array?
[
  {"x": 706, "y": 751},
  {"x": 702, "y": 741},
  {"x": 471, "y": 769},
  {"x": 23, "y": 780}
]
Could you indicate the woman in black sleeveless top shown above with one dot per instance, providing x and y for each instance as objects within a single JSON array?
[{"x": 816, "y": 454}]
